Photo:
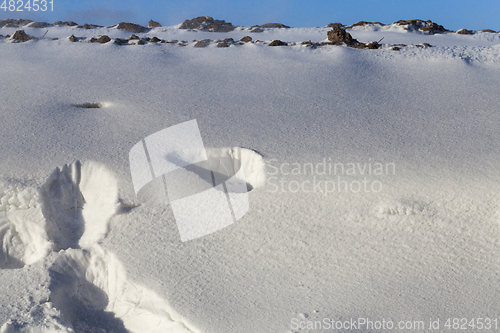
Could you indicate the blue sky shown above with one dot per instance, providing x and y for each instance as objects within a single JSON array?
[{"x": 453, "y": 15}]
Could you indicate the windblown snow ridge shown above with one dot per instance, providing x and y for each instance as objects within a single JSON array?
[{"x": 88, "y": 284}]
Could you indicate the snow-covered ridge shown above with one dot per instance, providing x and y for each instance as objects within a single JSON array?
[
  {"x": 426, "y": 245},
  {"x": 200, "y": 33},
  {"x": 69, "y": 214}
]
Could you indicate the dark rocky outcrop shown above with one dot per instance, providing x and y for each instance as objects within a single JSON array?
[
  {"x": 207, "y": 23},
  {"x": 121, "y": 41},
  {"x": 338, "y": 36},
  {"x": 39, "y": 25},
  {"x": 420, "y": 25},
  {"x": 65, "y": 23},
  {"x": 465, "y": 32},
  {"x": 273, "y": 25},
  {"x": 246, "y": 39},
  {"x": 21, "y": 36},
  {"x": 132, "y": 27},
  {"x": 333, "y": 25},
  {"x": 371, "y": 45},
  {"x": 277, "y": 42},
  {"x": 10, "y": 23},
  {"x": 104, "y": 39},
  {"x": 202, "y": 43},
  {"x": 154, "y": 24},
  {"x": 363, "y": 23},
  {"x": 88, "y": 26},
  {"x": 72, "y": 38}
]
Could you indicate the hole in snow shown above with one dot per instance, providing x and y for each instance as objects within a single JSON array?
[{"x": 92, "y": 105}]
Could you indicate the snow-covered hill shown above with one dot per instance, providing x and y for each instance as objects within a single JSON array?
[{"x": 381, "y": 192}]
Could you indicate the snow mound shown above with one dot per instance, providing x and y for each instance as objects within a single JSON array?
[
  {"x": 89, "y": 290},
  {"x": 99, "y": 188},
  {"x": 43, "y": 318},
  {"x": 77, "y": 202},
  {"x": 23, "y": 240},
  {"x": 14, "y": 197},
  {"x": 92, "y": 283}
]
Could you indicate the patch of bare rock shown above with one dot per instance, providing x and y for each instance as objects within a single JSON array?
[
  {"x": 260, "y": 28},
  {"x": 338, "y": 36},
  {"x": 154, "y": 24},
  {"x": 10, "y": 23},
  {"x": 88, "y": 26},
  {"x": 65, "y": 23},
  {"x": 277, "y": 42},
  {"x": 207, "y": 23},
  {"x": 21, "y": 36},
  {"x": 363, "y": 23},
  {"x": 132, "y": 27},
  {"x": 421, "y": 25}
]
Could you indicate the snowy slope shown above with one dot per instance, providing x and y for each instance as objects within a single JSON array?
[{"x": 81, "y": 252}]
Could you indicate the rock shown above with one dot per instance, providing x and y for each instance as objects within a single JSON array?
[
  {"x": 132, "y": 27},
  {"x": 424, "y": 45},
  {"x": 274, "y": 25},
  {"x": 155, "y": 39},
  {"x": 154, "y": 24},
  {"x": 207, "y": 23},
  {"x": 425, "y": 26},
  {"x": 10, "y": 23},
  {"x": 132, "y": 37},
  {"x": 146, "y": 39},
  {"x": 246, "y": 39},
  {"x": 228, "y": 40},
  {"x": 257, "y": 30},
  {"x": 371, "y": 46},
  {"x": 202, "y": 43},
  {"x": 88, "y": 26},
  {"x": 21, "y": 36},
  {"x": 465, "y": 32},
  {"x": 65, "y": 24},
  {"x": 104, "y": 39},
  {"x": 141, "y": 42},
  {"x": 222, "y": 44},
  {"x": 363, "y": 23},
  {"x": 395, "y": 48},
  {"x": 72, "y": 38},
  {"x": 309, "y": 44},
  {"x": 277, "y": 42},
  {"x": 339, "y": 36},
  {"x": 120, "y": 41},
  {"x": 338, "y": 25},
  {"x": 39, "y": 25},
  {"x": 488, "y": 30},
  {"x": 93, "y": 40}
]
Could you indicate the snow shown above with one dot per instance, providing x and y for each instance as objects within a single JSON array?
[{"x": 373, "y": 178}]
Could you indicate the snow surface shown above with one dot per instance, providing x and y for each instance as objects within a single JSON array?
[{"x": 81, "y": 253}]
